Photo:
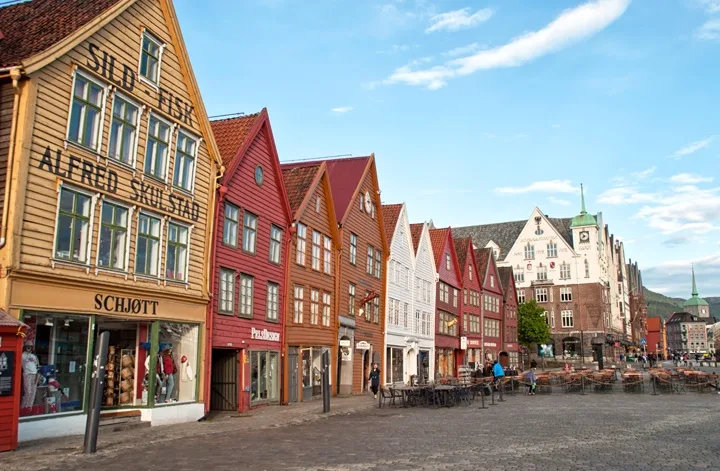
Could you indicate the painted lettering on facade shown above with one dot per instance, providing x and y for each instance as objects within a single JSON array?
[
  {"x": 264, "y": 334},
  {"x": 125, "y": 305}
]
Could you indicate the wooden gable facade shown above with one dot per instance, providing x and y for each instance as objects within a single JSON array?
[
  {"x": 249, "y": 263},
  {"x": 448, "y": 303},
  {"x": 510, "y": 315},
  {"x": 311, "y": 311},
  {"x": 471, "y": 310},
  {"x": 491, "y": 303}
]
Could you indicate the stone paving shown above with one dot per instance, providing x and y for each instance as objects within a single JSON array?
[{"x": 543, "y": 432}]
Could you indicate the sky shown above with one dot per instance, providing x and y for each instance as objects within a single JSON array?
[{"x": 478, "y": 111}]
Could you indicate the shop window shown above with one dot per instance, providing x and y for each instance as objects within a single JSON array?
[
  {"x": 72, "y": 242},
  {"x": 316, "y": 237},
  {"x": 275, "y": 243},
  {"x": 227, "y": 291},
  {"x": 327, "y": 254},
  {"x": 86, "y": 112},
  {"x": 157, "y": 147},
  {"x": 246, "y": 295},
  {"x": 185, "y": 154},
  {"x": 54, "y": 363},
  {"x": 230, "y": 224},
  {"x": 112, "y": 248},
  {"x": 326, "y": 310},
  {"x": 147, "y": 250},
  {"x": 177, "y": 252},
  {"x": 264, "y": 376},
  {"x": 123, "y": 130},
  {"x": 353, "y": 249},
  {"x": 179, "y": 342},
  {"x": 301, "y": 240},
  {"x": 151, "y": 58},
  {"x": 395, "y": 365},
  {"x": 249, "y": 232},
  {"x": 314, "y": 306},
  {"x": 312, "y": 372},
  {"x": 273, "y": 296}
]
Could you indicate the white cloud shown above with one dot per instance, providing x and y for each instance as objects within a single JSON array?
[
  {"x": 342, "y": 109},
  {"x": 396, "y": 48},
  {"x": 689, "y": 179},
  {"x": 673, "y": 277},
  {"x": 688, "y": 209},
  {"x": 625, "y": 195},
  {"x": 559, "y": 201},
  {"x": 645, "y": 173},
  {"x": 550, "y": 186},
  {"x": 570, "y": 27},
  {"x": 692, "y": 148},
  {"x": 709, "y": 31},
  {"x": 458, "y": 19},
  {"x": 463, "y": 50},
  {"x": 710, "y": 6}
]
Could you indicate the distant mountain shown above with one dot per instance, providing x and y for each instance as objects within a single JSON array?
[
  {"x": 663, "y": 306},
  {"x": 714, "y": 303}
]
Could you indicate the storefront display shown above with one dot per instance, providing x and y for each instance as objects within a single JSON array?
[
  {"x": 178, "y": 345},
  {"x": 395, "y": 365},
  {"x": 445, "y": 362},
  {"x": 265, "y": 376}
]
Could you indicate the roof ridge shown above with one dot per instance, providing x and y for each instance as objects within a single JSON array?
[{"x": 243, "y": 116}]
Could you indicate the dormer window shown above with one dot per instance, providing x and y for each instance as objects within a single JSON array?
[
  {"x": 447, "y": 261},
  {"x": 151, "y": 58},
  {"x": 470, "y": 271}
]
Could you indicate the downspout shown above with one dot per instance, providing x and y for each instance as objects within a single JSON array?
[
  {"x": 221, "y": 190},
  {"x": 285, "y": 396},
  {"x": 15, "y": 74}
]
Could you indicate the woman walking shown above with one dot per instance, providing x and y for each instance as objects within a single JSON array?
[{"x": 374, "y": 379}]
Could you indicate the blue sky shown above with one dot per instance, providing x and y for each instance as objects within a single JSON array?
[{"x": 477, "y": 111}]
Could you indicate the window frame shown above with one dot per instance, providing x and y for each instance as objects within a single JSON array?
[
  {"x": 189, "y": 229},
  {"x": 142, "y": 212},
  {"x": 327, "y": 255},
  {"x": 171, "y": 133},
  {"x": 351, "y": 299},
  {"x": 197, "y": 140},
  {"x": 544, "y": 293},
  {"x": 529, "y": 251},
  {"x": 447, "y": 261},
  {"x": 220, "y": 309},
  {"x": 241, "y": 304},
  {"x": 326, "y": 308},
  {"x": 103, "y": 110},
  {"x": 552, "y": 249},
  {"x": 128, "y": 235},
  {"x": 131, "y": 101},
  {"x": 542, "y": 273},
  {"x": 298, "y": 303},
  {"x": 301, "y": 255},
  {"x": 228, "y": 204},
  {"x": 91, "y": 218},
  {"x": 277, "y": 243},
  {"x": 565, "y": 271},
  {"x": 161, "y": 47},
  {"x": 316, "y": 245},
  {"x": 254, "y": 230},
  {"x": 370, "y": 260},
  {"x": 378, "y": 265},
  {"x": 353, "y": 248},
  {"x": 314, "y": 306},
  {"x": 568, "y": 320},
  {"x": 272, "y": 304},
  {"x": 566, "y": 294}
]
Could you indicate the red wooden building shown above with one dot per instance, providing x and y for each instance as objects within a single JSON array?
[
  {"x": 471, "y": 311},
  {"x": 491, "y": 303},
  {"x": 311, "y": 318},
  {"x": 510, "y": 319},
  {"x": 448, "y": 303},
  {"x": 247, "y": 315}
]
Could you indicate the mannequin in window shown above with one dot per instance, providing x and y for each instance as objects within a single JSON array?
[
  {"x": 30, "y": 367},
  {"x": 168, "y": 369}
]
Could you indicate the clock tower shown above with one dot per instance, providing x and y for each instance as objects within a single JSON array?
[{"x": 585, "y": 235}]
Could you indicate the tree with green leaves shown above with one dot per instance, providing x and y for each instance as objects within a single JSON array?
[{"x": 532, "y": 324}]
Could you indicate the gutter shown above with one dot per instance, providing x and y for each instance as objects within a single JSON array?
[{"x": 15, "y": 74}]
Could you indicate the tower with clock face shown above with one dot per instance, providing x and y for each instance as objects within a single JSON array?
[{"x": 585, "y": 237}]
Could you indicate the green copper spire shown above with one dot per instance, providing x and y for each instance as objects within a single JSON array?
[
  {"x": 694, "y": 291},
  {"x": 695, "y": 300},
  {"x": 584, "y": 219}
]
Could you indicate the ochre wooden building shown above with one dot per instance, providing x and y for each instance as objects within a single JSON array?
[
  {"x": 311, "y": 313},
  {"x": 107, "y": 170}
]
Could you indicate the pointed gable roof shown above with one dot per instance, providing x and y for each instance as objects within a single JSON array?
[
  {"x": 461, "y": 249},
  {"x": 298, "y": 181},
  {"x": 506, "y": 279},
  {"x": 30, "y": 28},
  {"x": 438, "y": 237},
  {"x": 483, "y": 260},
  {"x": 232, "y": 133},
  {"x": 391, "y": 214},
  {"x": 416, "y": 231}
]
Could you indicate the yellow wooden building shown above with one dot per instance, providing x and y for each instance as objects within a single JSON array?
[{"x": 107, "y": 180}]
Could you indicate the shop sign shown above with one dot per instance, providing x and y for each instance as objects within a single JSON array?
[
  {"x": 264, "y": 334},
  {"x": 125, "y": 305},
  {"x": 490, "y": 344},
  {"x": 344, "y": 342},
  {"x": 7, "y": 364},
  {"x": 473, "y": 343},
  {"x": 362, "y": 345},
  {"x": 345, "y": 353},
  {"x": 463, "y": 343}
]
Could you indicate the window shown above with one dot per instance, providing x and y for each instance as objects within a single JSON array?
[
  {"x": 470, "y": 271},
  {"x": 249, "y": 232},
  {"x": 147, "y": 250},
  {"x": 378, "y": 265},
  {"x": 298, "y": 305},
  {"x": 368, "y": 307},
  {"x": 327, "y": 254},
  {"x": 529, "y": 252},
  {"x": 455, "y": 297},
  {"x": 112, "y": 247},
  {"x": 275, "y": 243},
  {"x": 552, "y": 249},
  {"x": 316, "y": 250},
  {"x": 301, "y": 239},
  {"x": 587, "y": 269},
  {"x": 397, "y": 272},
  {"x": 370, "y": 260},
  {"x": 186, "y": 150},
  {"x": 564, "y": 271},
  {"x": 542, "y": 273},
  {"x": 273, "y": 301},
  {"x": 360, "y": 198},
  {"x": 492, "y": 281},
  {"x": 519, "y": 277},
  {"x": 447, "y": 261},
  {"x": 123, "y": 130},
  {"x": 541, "y": 295},
  {"x": 227, "y": 291},
  {"x": 353, "y": 249},
  {"x": 230, "y": 224},
  {"x": 246, "y": 295},
  {"x": 567, "y": 318},
  {"x": 447, "y": 323},
  {"x": 444, "y": 292},
  {"x": 491, "y": 328},
  {"x": 314, "y": 306},
  {"x": 265, "y": 372},
  {"x": 552, "y": 319},
  {"x": 376, "y": 311},
  {"x": 351, "y": 299},
  {"x": 326, "y": 310},
  {"x": 565, "y": 295},
  {"x": 150, "y": 57},
  {"x": 177, "y": 250},
  {"x": 86, "y": 112},
  {"x": 317, "y": 204},
  {"x": 465, "y": 296},
  {"x": 157, "y": 148}
]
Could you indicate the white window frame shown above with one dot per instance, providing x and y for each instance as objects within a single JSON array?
[
  {"x": 140, "y": 108},
  {"x": 541, "y": 292},
  {"x": 565, "y": 271},
  {"x": 187, "y": 254},
  {"x": 519, "y": 277},
  {"x": 103, "y": 110},
  {"x": 327, "y": 255},
  {"x": 542, "y": 273},
  {"x": 529, "y": 252},
  {"x": 173, "y": 126},
  {"x": 552, "y": 249},
  {"x": 314, "y": 306},
  {"x": 353, "y": 249},
  {"x": 567, "y": 319},
  {"x": 161, "y": 46},
  {"x": 326, "y": 308},
  {"x": 220, "y": 292},
  {"x": 273, "y": 241},
  {"x": 447, "y": 261},
  {"x": 160, "y": 242},
  {"x": 244, "y": 276},
  {"x": 237, "y": 223},
  {"x": 566, "y": 294},
  {"x": 552, "y": 318},
  {"x": 298, "y": 303},
  {"x": 130, "y": 210},
  {"x": 272, "y": 303},
  {"x": 93, "y": 202},
  {"x": 301, "y": 254},
  {"x": 198, "y": 140}
]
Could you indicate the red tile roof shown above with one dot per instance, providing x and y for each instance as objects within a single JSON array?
[
  {"x": 29, "y": 28},
  {"x": 483, "y": 258},
  {"x": 391, "y": 214},
  {"x": 506, "y": 276},
  {"x": 345, "y": 175},
  {"x": 438, "y": 238},
  {"x": 298, "y": 181},
  {"x": 230, "y": 134},
  {"x": 461, "y": 249},
  {"x": 416, "y": 233},
  {"x": 6, "y": 320}
]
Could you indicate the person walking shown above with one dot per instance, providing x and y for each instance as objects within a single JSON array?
[
  {"x": 531, "y": 382},
  {"x": 498, "y": 373},
  {"x": 374, "y": 379}
]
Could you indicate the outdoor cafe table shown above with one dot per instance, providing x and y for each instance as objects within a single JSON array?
[
  {"x": 444, "y": 391},
  {"x": 406, "y": 390}
]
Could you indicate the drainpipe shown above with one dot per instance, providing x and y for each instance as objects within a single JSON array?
[
  {"x": 15, "y": 74},
  {"x": 282, "y": 317}
]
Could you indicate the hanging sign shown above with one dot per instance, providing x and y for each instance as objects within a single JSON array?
[
  {"x": 362, "y": 345},
  {"x": 344, "y": 342},
  {"x": 7, "y": 364},
  {"x": 463, "y": 343}
]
